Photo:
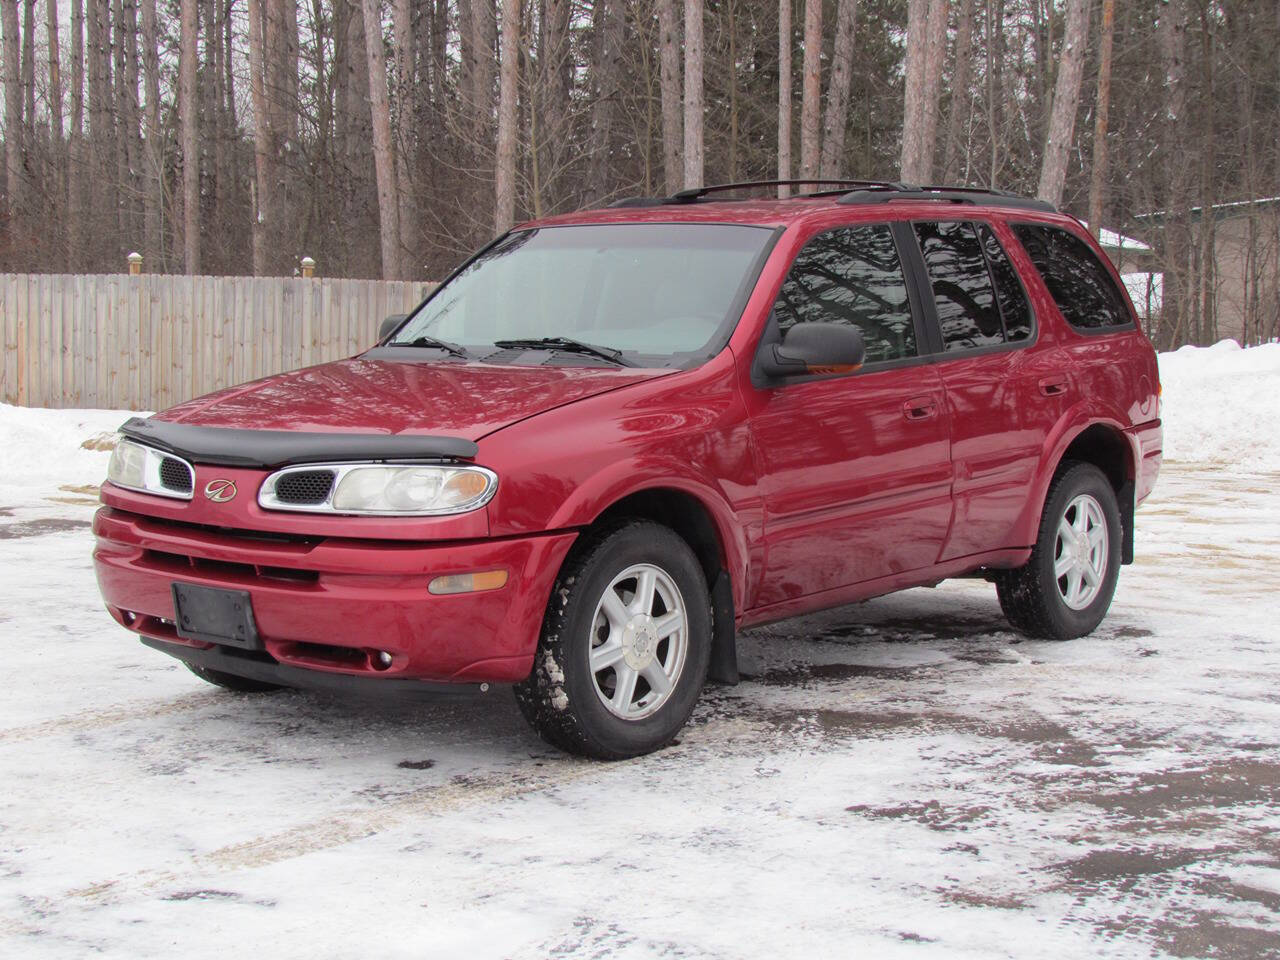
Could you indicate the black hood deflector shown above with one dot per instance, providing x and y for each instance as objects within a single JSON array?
[{"x": 266, "y": 449}]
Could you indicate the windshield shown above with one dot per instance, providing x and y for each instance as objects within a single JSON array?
[{"x": 659, "y": 294}]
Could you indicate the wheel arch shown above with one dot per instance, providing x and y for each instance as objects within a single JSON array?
[
  {"x": 1104, "y": 443},
  {"x": 694, "y": 521}
]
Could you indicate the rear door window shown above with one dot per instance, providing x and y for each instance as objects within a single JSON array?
[
  {"x": 1015, "y": 310},
  {"x": 1078, "y": 282},
  {"x": 853, "y": 276},
  {"x": 963, "y": 291}
]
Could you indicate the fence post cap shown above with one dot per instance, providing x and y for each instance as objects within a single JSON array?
[
  {"x": 135, "y": 262},
  {"x": 308, "y": 266}
]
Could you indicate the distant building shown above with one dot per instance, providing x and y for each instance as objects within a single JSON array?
[{"x": 1246, "y": 268}]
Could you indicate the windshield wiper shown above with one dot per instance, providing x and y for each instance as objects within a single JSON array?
[
  {"x": 452, "y": 349},
  {"x": 566, "y": 345}
]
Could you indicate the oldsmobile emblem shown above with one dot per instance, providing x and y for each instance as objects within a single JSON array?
[{"x": 220, "y": 491}]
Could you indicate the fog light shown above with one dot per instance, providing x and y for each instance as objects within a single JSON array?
[
  {"x": 382, "y": 660},
  {"x": 468, "y": 582}
]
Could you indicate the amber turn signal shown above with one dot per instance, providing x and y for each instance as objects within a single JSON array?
[
  {"x": 468, "y": 582},
  {"x": 833, "y": 368}
]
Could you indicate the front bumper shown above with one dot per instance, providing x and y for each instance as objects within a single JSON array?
[{"x": 331, "y": 604}]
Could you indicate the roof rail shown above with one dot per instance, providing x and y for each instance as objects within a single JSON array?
[
  {"x": 694, "y": 194},
  {"x": 961, "y": 195}
]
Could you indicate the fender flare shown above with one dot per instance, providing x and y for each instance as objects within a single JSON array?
[
  {"x": 624, "y": 478},
  {"x": 1074, "y": 422}
]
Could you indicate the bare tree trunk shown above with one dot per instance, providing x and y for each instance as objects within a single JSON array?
[
  {"x": 129, "y": 113},
  {"x": 55, "y": 100},
  {"x": 995, "y": 85},
  {"x": 1098, "y": 166},
  {"x": 262, "y": 182},
  {"x": 1066, "y": 100},
  {"x": 669, "y": 44},
  {"x": 914, "y": 100},
  {"x": 607, "y": 27},
  {"x": 12, "y": 107},
  {"x": 406, "y": 102},
  {"x": 953, "y": 155},
  {"x": 732, "y": 27},
  {"x": 693, "y": 161},
  {"x": 1177, "y": 232},
  {"x": 838, "y": 91},
  {"x": 153, "y": 197},
  {"x": 383, "y": 157},
  {"x": 75, "y": 156},
  {"x": 935, "y": 56},
  {"x": 811, "y": 90},
  {"x": 190, "y": 141},
  {"x": 483, "y": 34},
  {"x": 504, "y": 211},
  {"x": 28, "y": 72},
  {"x": 784, "y": 94},
  {"x": 1207, "y": 331}
]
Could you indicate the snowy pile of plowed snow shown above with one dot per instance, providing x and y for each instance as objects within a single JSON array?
[{"x": 1222, "y": 403}]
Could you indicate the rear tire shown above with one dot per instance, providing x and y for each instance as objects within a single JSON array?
[
  {"x": 1065, "y": 589},
  {"x": 229, "y": 681},
  {"x": 625, "y": 644}
]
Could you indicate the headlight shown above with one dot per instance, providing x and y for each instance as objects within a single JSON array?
[
  {"x": 391, "y": 490},
  {"x": 136, "y": 467}
]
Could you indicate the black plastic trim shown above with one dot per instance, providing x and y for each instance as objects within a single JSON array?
[
  {"x": 268, "y": 449},
  {"x": 269, "y": 671},
  {"x": 1125, "y": 495}
]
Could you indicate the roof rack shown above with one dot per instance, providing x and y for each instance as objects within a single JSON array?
[
  {"x": 969, "y": 195},
  {"x": 854, "y": 192},
  {"x": 694, "y": 194}
]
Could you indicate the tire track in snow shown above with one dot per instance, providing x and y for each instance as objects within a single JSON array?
[
  {"x": 726, "y": 737},
  {"x": 93, "y": 719}
]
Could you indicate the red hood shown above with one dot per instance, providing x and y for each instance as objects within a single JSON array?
[{"x": 388, "y": 396}]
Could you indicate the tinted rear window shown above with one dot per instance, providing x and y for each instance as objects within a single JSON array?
[
  {"x": 1079, "y": 284},
  {"x": 1014, "y": 307},
  {"x": 962, "y": 290}
]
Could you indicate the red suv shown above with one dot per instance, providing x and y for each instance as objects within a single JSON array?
[{"x": 613, "y": 438}]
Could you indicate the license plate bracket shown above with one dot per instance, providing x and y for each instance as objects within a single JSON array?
[{"x": 213, "y": 615}]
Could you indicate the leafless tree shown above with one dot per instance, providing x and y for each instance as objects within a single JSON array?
[
  {"x": 383, "y": 151},
  {"x": 693, "y": 142},
  {"x": 1066, "y": 103},
  {"x": 190, "y": 141}
]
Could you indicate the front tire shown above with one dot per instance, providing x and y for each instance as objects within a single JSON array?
[
  {"x": 625, "y": 645},
  {"x": 1065, "y": 589}
]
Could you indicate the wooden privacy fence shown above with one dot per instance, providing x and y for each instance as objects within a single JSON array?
[{"x": 146, "y": 342}]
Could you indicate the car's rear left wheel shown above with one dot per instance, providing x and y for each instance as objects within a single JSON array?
[
  {"x": 625, "y": 644},
  {"x": 1065, "y": 589}
]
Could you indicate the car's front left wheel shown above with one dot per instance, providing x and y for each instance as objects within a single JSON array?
[{"x": 625, "y": 644}]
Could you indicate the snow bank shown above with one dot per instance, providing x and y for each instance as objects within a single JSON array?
[
  {"x": 40, "y": 444},
  {"x": 1222, "y": 403}
]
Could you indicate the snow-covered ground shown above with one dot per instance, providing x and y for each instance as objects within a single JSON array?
[{"x": 904, "y": 778}]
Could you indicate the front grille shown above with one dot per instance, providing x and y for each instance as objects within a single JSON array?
[
  {"x": 175, "y": 475},
  {"x": 305, "y": 487}
]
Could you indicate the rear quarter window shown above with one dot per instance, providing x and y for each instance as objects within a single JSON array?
[{"x": 1080, "y": 285}]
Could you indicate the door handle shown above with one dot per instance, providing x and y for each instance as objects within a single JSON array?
[
  {"x": 1054, "y": 386},
  {"x": 920, "y": 408}
]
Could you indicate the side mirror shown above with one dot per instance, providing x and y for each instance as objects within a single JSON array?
[
  {"x": 814, "y": 348},
  {"x": 389, "y": 325}
]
